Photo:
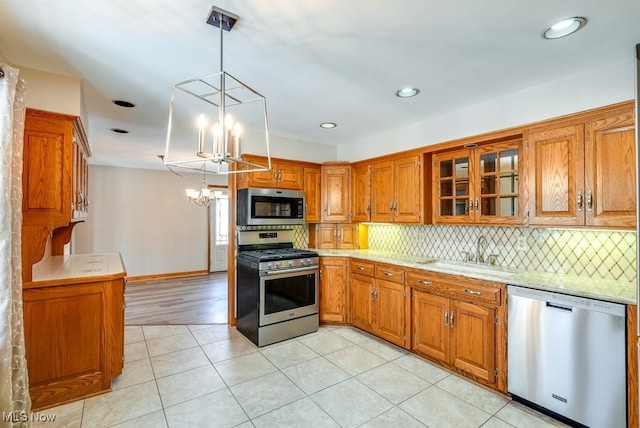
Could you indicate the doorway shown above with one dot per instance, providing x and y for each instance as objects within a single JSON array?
[{"x": 219, "y": 231}]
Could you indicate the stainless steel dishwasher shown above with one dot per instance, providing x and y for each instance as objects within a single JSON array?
[{"x": 567, "y": 355}]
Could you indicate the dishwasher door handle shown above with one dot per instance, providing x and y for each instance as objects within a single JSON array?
[{"x": 556, "y": 306}]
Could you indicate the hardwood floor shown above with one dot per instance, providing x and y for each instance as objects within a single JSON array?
[{"x": 189, "y": 300}]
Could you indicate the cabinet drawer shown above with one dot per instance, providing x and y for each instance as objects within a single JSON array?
[
  {"x": 390, "y": 273},
  {"x": 362, "y": 267},
  {"x": 470, "y": 292},
  {"x": 419, "y": 280}
]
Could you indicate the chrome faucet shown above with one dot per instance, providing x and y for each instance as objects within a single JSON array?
[{"x": 481, "y": 245}]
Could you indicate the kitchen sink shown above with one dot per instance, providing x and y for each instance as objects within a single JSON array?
[{"x": 471, "y": 268}]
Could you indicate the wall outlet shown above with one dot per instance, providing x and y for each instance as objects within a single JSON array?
[{"x": 521, "y": 244}]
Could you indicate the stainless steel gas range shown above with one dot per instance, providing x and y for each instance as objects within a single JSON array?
[{"x": 276, "y": 287}]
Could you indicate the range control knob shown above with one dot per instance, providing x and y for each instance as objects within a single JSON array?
[
  {"x": 290, "y": 263},
  {"x": 302, "y": 262},
  {"x": 269, "y": 265},
  {"x": 277, "y": 265}
]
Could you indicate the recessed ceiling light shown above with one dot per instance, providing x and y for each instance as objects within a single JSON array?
[
  {"x": 564, "y": 28},
  {"x": 123, "y": 103},
  {"x": 407, "y": 92},
  {"x": 328, "y": 125},
  {"x": 119, "y": 131}
]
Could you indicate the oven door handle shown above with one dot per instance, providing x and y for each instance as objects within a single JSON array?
[{"x": 310, "y": 269}]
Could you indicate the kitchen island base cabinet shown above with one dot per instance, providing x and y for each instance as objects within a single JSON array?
[{"x": 74, "y": 338}]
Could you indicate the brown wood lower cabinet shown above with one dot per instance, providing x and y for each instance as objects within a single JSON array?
[
  {"x": 333, "y": 289},
  {"x": 379, "y": 302},
  {"x": 74, "y": 338},
  {"x": 455, "y": 324}
]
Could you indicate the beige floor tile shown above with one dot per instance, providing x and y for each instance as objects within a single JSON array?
[
  {"x": 152, "y": 420},
  {"x": 176, "y": 342},
  {"x": 435, "y": 407},
  {"x": 301, "y": 413},
  {"x": 244, "y": 368},
  {"x": 132, "y": 334},
  {"x": 65, "y": 416},
  {"x": 352, "y": 334},
  {"x": 523, "y": 417},
  {"x": 315, "y": 375},
  {"x": 350, "y": 403},
  {"x": 229, "y": 348},
  {"x": 121, "y": 405},
  {"x": 266, "y": 393},
  {"x": 480, "y": 397},
  {"x": 191, "y": 384},
  {"x": 218, "y": 409},
  {"x": 325, "y": 341},
  {"x": 384, "y": 349},
  {"x": 179, "y": 361},
  {"x": 394, "y": 418},
  {"x": 213, "y": 333},
  {"x": 422, "y": 368},
  {"x": 134, "y": 373},
  {"x": 156, "y": 331},
  {"x": 355, "y": 360},
  {"x": 393, "y": 383},
  {"x": 135, "y": 351},
  {"x": 496, "y": 423},
  {"x": 288, "y": 354}
]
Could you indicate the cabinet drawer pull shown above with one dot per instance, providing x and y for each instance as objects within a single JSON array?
[
  {"x": 361, "y": 268},
  {"x": 387, "y": 273},
  {"x": 423, "y": 282},
  {"x": 579, "y": 200},
  {"x": 446, "y": 318},
  {"x": 475, "y": 293}
]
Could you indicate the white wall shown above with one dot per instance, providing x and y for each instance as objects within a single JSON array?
[
  {"x": 609, "y": 84},
  {"x": 145, "y": 215}
]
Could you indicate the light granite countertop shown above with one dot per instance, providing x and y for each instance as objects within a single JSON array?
[
  {"x": 60, "y": 269},
  {"x": 609, "y": 290}
]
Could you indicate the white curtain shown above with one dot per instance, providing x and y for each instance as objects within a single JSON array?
[{"x": 15, "y": 403}]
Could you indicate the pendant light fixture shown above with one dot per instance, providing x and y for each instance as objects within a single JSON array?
[{"x": 216, "y": 118}]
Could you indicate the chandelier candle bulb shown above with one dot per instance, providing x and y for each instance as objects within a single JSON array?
[
  {"x": 217, "y": 150},
  {"x": 202, "y": 123}
]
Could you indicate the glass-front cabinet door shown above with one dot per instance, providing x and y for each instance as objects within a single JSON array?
[
  {"x": 478, "y": 185},
  {"x": 453, "y": 176},
  {"x": 497, "y": 198}
]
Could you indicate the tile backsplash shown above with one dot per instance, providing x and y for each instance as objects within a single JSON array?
[
  {"x": 600, "y": 254},
  {"x": 596, "y": 254}
]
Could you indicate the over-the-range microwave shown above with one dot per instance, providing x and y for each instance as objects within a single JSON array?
[{"x": 257, "y": 207}]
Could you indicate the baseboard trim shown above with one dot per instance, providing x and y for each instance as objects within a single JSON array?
[{"x": 166, "y": 275}]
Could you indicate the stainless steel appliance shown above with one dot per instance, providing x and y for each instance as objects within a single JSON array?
[
  {"x": 567, "y": 356},
  {"x": 257, "y": 207},
  {"x": 276, "y": 287}
]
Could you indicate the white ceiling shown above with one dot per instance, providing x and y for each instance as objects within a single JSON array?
[{"x": 314, "y": 60}]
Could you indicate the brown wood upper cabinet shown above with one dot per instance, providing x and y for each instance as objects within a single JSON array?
[
  {"x": 342, "y": 236},
  {"x": 361, "y": 192},
  {"x": 335, "y": 192},
  {"x": 478, "y": 185},
  {"x": 313, "y": 197},
  {"x": 282, "y": 175},
  {"x": 54, "y": 178},
  {"x": 583, "y": 173},
  {"x": 397, "y": 190}
]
